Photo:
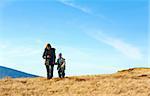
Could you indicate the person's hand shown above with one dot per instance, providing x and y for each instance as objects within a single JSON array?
[
  {"x": 48, "y": 56},
  {"x": 44, "y": 57},
  {"x": 57, "y": 68},
  {"x": 56, "y": 63}
]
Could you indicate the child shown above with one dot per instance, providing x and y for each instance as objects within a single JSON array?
[{"x": 61, "y": 66}]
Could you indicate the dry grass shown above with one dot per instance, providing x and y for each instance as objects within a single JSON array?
[{"x": 132, "y": 82}]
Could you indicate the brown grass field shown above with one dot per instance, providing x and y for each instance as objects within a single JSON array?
[{"x": 131, "y": 82}]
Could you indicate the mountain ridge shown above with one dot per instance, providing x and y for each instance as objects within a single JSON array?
[{"x": 13, "y": 73}]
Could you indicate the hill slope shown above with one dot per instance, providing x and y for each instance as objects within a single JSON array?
[
  {"x": 131, "y": 82},
  {"x": 8, "y": 72}
]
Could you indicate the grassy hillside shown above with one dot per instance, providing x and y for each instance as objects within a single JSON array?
[{"x": 131, "y": 82}]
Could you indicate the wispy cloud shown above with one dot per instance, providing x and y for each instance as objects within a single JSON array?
[
  {"x": 84, "y": 9},
  {"x": 125, "y": 48},
  {"x": 73, "y": 5},
  {"x": 6, "y": 48}
]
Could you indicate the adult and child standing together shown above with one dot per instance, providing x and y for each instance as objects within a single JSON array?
[{"x": 50, "y": 58}]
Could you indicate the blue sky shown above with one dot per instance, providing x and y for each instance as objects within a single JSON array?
[{"x": 95, "y": 36}]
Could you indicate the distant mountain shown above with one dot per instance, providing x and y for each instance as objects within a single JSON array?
[{"x": 8, "y": 72}]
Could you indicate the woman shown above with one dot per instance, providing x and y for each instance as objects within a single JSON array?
[{"x": 49, "y": 56}]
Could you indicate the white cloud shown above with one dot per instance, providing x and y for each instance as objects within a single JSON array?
[
  {"x": 125, "y": 48},
  {"x": 84, "y": 9},
  {"x": 71, "y": 4},
  {"x": 11, "y": 50}
]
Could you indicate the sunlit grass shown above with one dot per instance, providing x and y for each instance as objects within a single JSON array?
[{"x": 132, "y": 82}]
